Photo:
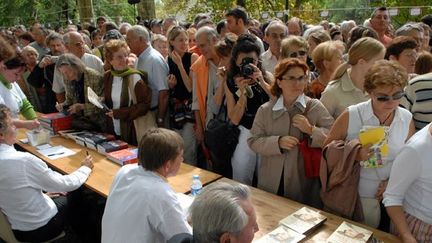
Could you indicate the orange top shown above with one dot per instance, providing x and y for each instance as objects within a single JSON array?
[
  {"x": 314, "y": 89},
  {"x": 201, "y": 69}
]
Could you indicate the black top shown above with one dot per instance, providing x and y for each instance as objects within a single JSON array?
[
  {"x": 259, "y": 97},
  {"x": 179, "y": 91},
  {"x": 78, "y": 86}
]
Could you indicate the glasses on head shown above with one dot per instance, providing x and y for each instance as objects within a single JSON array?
[
  {"x": 385, "y": 98},
  {"x": 295, "y": 79},
  {"x": 297, "y": 54}
]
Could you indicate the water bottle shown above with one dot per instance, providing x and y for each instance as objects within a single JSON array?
[{"x": 196, "y": 185}]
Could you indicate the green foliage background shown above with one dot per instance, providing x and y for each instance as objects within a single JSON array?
[{"x": 58, "y": 12}]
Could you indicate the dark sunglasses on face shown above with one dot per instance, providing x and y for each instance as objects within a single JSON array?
[
  {"x": 297, "y": 54},
  {"x": 396, "y": 96}
]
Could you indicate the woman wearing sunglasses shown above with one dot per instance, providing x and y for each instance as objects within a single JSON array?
[
  {"x": 384, "y": 82},
  {"x": 296, "y": 47}
]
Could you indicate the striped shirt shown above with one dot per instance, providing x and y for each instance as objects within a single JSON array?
[{"x": 418, "y": 100}]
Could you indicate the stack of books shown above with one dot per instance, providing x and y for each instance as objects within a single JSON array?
[
  {"x": 111, "y": 146},
  {"x": 124, "y": 156},
  {"x": 347, "y": 232},
  {"x": 295, "y": 227},
  {"x": 55, "y": 122}
]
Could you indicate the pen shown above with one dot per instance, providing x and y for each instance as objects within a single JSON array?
[
  {"x": 49, "y": 155},
  {"x": 87, "y": 153}
]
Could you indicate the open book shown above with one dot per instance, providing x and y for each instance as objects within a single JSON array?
[
  {"x": 94, "y": 99},
  {"x": 347, "y": 232},
  {"x": 303, "y": 220},
  {"x": 377, "y": 136},
  {"x": 281, "y": 234}
]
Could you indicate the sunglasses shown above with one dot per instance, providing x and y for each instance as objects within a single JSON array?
[
  {"x": 396, "y": 96},
  {"x": 297, "y": 54}
]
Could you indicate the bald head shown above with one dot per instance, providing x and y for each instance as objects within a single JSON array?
[{"x": 74, "y": 43}]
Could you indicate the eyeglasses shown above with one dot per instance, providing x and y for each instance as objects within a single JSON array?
[
  {"x": 396, "y": 96},
  {"x": 297, "y": 54},
  {"x": 294, "y": 79},
  {"x": 78, "y": 44},
  {"x": 276, "y": 35}
]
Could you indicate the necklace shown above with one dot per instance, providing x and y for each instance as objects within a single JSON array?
[{"x": 385, "y": 120}]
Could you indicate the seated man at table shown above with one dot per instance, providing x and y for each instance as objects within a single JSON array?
[
  {"x": 142, "y": 206},
  {"x": 221, "y": 213},
  {"x": 33, "y": 215}
]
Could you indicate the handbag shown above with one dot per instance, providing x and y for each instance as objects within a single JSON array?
[
  {"x": 221, "y": 138},
  {"x": 311, "y": 156},
  {"x": 145, "y": 122}
]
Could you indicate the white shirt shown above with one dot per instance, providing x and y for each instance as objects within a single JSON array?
[
  {"x": 89, "y": 60},
  {"x": 410, "y": 181},
  {"x": 116, "y": 96},
  {"x": 269, "y": 61},
  {"x": 153, "y": 63},
  {"x": 141, "y": 207},
  {"x": 12, "y": 98},
  {"x": 23, "y": 177},
  {"x": 398, "y": 132}
]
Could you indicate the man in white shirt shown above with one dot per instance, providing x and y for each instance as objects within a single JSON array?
[
  {"x": 33, "y": 215},
  {"x": 141, "y": 206},
  {"x": 152, "y": 62},
  {"x": 275, "y": 32},
  {"x": 74, "y": 44}
]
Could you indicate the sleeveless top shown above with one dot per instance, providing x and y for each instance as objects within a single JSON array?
[
  {"x": 362, "y": 115},
  {"x": 179, "y": 91}
]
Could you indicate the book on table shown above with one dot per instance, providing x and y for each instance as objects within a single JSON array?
[
  {"x": 124, "y": 156},
  {"x": 111, "y": 146},
  {"x": 304, "y": 220},
  {"x": 347, "y": 232},
  {"x": 55, "y": 122},
  {"x": 281, "y": 234}
]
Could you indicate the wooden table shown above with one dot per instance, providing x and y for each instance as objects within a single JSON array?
[
  {"x": 104, "y": 170},
  {"x": 270, "y": 209}
]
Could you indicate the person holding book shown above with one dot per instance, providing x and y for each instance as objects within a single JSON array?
[
  {"x": 408, "y": 195},
  {"x": 278, "y": 128},
  {"x": 12, "y": 95},
  {"x": 122, "y": 84},
  {"x": 34, "y": 216},
  {"x": 78, "y": 78},
  {"x": 142, "y": 206},
  {"x": 384, "y": 83}
]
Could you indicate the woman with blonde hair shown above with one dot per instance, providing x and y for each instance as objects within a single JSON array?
[
  {"x": 384, "y": 82},
  {"x": 327, "y": 57},
  {"x": 180, "y": 99},
  {"x": 347, "y": 86}
]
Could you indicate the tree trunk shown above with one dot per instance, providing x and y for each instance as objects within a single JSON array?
[
  {"x": 85, "y": 8},
  {"x": 147, "y": 9}
]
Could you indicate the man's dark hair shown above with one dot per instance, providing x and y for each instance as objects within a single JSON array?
[
  {"x": 220, "y": 26},
  {"x": 200, "y": 17},
  {"x": 238, "y": 13},
  {"x": 399, "y": 44},
  {"x": 376, "y": 10}
]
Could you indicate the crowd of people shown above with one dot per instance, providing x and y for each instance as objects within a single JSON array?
[{"x": 287, "y": 88}]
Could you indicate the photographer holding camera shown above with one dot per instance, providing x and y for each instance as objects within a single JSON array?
[{"x": 248, "y": 87}]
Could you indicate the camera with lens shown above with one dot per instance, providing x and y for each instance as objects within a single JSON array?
[{"x": 246, "y": 68}]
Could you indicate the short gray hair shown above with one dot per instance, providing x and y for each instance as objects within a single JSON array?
[
  {"x": 67, "y": 36},
  {"x": 217, "y": 210},
  {"x": 54, "y": 36},
  {"x": 210, "y": 32},
  {"x": 72, "y": 61},
  {"x": 140, "y": 31},
  {"x": 5, "y": 113},
  {"x": 274, "y": 23},
  {"x": 406, "y": 28}
]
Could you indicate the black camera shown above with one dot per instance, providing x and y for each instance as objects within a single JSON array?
[{"x": 245, "y": 68}]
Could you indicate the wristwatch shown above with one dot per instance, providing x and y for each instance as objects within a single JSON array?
[{"x": 160, "y": 120}]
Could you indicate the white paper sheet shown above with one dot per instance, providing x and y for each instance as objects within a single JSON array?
[{"x": 56, "y": 152}]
